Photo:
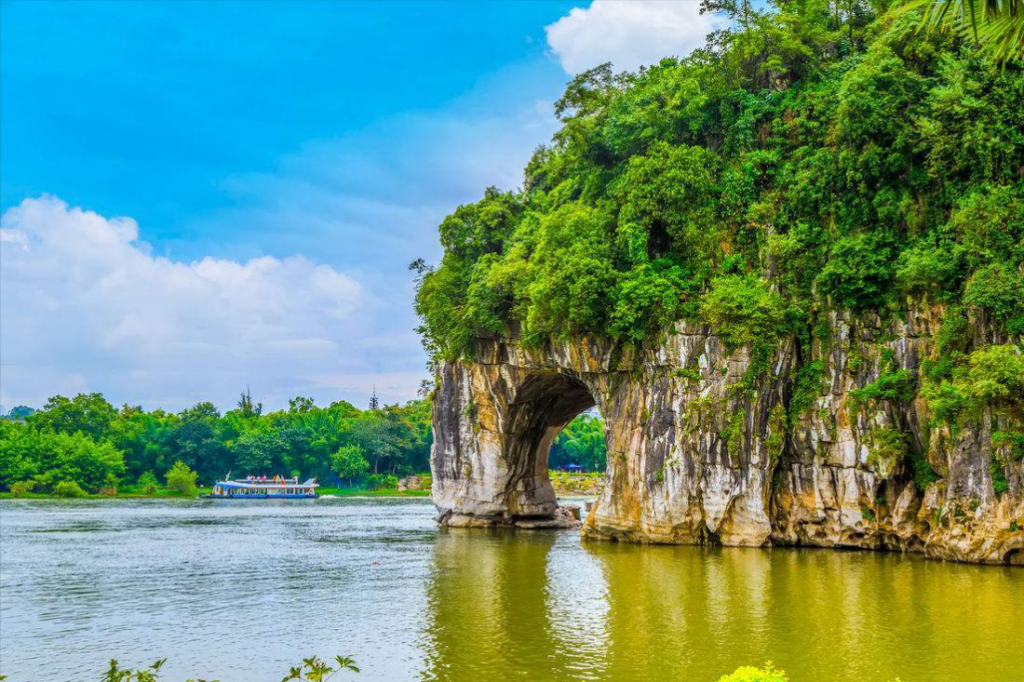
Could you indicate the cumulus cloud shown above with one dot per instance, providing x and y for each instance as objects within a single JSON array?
[
  {"x": 628, "y": 33},
  {"x": 87, "y": 306}
]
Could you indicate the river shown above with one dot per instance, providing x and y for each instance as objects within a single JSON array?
[{"x": 241, "y": 591}]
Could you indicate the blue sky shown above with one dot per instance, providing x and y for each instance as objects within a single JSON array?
[{"x": 202, "y": 196}]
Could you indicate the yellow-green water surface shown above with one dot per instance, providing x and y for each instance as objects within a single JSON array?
[{"x": 240, "y": 591}]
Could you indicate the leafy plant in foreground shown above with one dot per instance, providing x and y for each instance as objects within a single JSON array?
[{"x": 315, "y": 670}]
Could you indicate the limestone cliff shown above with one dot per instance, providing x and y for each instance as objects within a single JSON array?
[{"x": 698, "y": 455}]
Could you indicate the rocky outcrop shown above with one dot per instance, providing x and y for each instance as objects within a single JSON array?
[{"x": 700, "y": 452}]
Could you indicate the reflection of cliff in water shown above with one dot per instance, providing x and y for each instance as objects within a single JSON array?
[
  {"x": 500, "y": 603},
  {"x": 686, "y": 613},
  {"x": 512, "y": 605}
]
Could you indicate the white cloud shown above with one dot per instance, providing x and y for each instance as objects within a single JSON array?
[
  {"x": 87, "y": 306},
  {"x": 628, "y": 33}
]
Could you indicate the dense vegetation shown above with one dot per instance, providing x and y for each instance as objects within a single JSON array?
[
  {"x": 816, "y": 157},
  {"x": 582, "y": 443},
  {"x": 84, "y": 444},
  {"x": 807, "y": 161}
]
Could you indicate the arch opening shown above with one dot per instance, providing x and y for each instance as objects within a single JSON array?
[{"x": 545, "y": 405}]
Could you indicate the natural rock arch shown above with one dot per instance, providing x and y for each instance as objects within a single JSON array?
[
  {"x": 494, "y": 426},
  {"x": 671, "y": 476}
]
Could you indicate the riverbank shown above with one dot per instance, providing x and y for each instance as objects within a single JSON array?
[
  {"x": 384, "y": 492},
  {"x": 588, "y": 483}
]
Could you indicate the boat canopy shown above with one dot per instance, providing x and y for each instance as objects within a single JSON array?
[{"x": 268, "y": 484}]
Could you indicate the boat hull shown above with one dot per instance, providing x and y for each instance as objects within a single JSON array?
[{"x": 207, "y": 496}]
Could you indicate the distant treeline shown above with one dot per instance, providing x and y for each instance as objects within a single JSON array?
[
  {"x": 581, "y": 442},
  {"x": 88, "y": 442}
]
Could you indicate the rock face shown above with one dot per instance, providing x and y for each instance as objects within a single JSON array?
[{"x": 698, "y": 455}]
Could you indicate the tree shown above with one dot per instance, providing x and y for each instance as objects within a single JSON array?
[
  {"x": 256, "y": 453},
  {"x": 246, "y": 405},
  {"x": 349, "y": 463},
  {"x": 20, "y": 412},
  {"x": 47, "y": 458},
  {"x": 300, "y": 405},
  {"x": 997, "y": 26},
  {"x": 148, "y": 483},
  {"x": 88, "y": 413},
  {"x": 195, "y": 442},
  {"x": 77, "y": 458},
  {"x": 182, "y": 479}
]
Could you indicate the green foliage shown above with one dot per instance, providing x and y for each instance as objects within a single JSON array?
[
  {"x": 348, "y": 462},
  {"x": 68, "y": 489},
  {"x": 889, "y": 447},
  {"x": 997, "y": 26},
  {"x": 580, "y": 442},
  {"x": 182, "y": 479},
  {"x": 997, "y": 288},
  {"x": 20, "y": 412},
  {"x": 859, "y": 272},
  {"x": 255, "y": 452},
  {"x": 109, "y": 486},
  {"x": 315, "y": 670},
  {"x": 147, "y": 483},
  {"x": 806, "y": 389},
  {"x": 89, "y": 414},
  {"x": 742, "y": 309},
  {"x": 992, "y": 376},
  {"x": 1000, "y": 484},
  {"x": 924, "y": 474},
  {"x": 311, "y": 669},
  {"x": 132, "y": 444},
  {"x": 118, "y": 674},
  {"x": 893, "y": 384},
  {"x": 22, "y": 488},
  {"x": 995, "y": 373},
  {"x": 750, "y": 674},
  {"x": 48, "y": 457},
  {"x": 382, "y": 481}
]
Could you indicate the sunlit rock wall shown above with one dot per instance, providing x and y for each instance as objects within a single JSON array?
[{"x": 696, "y": 455}]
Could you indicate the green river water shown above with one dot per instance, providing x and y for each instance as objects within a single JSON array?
[{"x": 240, "y": 591}]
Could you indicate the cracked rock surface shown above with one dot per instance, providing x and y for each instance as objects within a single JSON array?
[{"x": 697, "y": 457}]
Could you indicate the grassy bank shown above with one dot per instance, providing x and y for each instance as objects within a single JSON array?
[
  {"x": 566, "y": 483},
  {"x": 383, "y": 492},
  {"x": 126, "y": 494}
]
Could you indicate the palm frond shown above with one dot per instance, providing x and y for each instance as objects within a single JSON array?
[{"x": 996, "y": 26}]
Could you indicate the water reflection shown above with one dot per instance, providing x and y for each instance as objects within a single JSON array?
[
  {"x": 691, "y": 613},
  {"x": 486, "y": 604},
  {"x": 239, "y": 593}
]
